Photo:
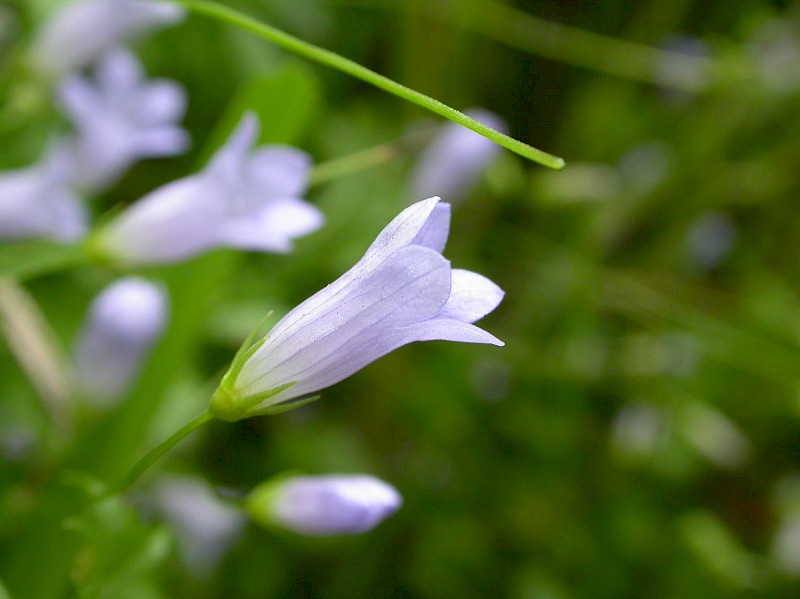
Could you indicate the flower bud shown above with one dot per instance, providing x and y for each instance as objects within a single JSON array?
[
  {"x": 324, "y": 505},
  {"x": 123, "y": 323},
  {"x": 454, "y": 160}
]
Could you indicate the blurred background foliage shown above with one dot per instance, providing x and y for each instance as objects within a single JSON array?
[{"x": 639, "y": 435}]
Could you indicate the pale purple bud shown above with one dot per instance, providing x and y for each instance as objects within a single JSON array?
[
  {"x": 205, "y": 525},
  {"x": 243, "y": 199},
  {"x": 452, "y": 163},
  {"x": 120, "y": 118},
  {"x": 37, "y": 202},
  {"x": 83, "y": 30},
  {"x": 324, "y": 505},
  {"x": 123, "y": 323},
  {"x": 401, "y": 291}
]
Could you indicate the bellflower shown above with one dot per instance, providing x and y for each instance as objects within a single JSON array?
[
  {"x": 401, "y": 291},
  {"x": 454, "y": 160},
  {"x": 205, "y": 526},
  {"x": 83, "y": 30},
  {"x": 243, "y": 199},
  {"x": 123, "y": 323},
  {"x": 120, "y": 118},
  {"x": 37, "y": 202},
  {"x": 324, "y": 505}
]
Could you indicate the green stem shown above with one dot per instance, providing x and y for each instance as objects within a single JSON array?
[
  {"x": 579, "y": 47},
  {"x": 571, "y": 45},
  {"x": 369, "y": 157},
  {"x": 354, "y": 69},
  {"x": 28, "y": 259},
  {"x": 154, "y": 454}
]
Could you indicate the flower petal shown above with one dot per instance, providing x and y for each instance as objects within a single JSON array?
[
  {"x": 472, "y": 297},
  {"x": 160, "y": 141},
  {"x": 436, "y": 229},
  {"x": 279, "y": 171},
  {"x": 228, "y": 163},
  {"x": 402, "y": 231},
  {"x": 339, "y": 338},
  {"x": 273, "y": 227},
  {"x": 161, "y": 101},
  {"x": 78, "y": 99},
  {"x": 174, "y": 222},
  {"x": 397, "y": 234},
  {"x": 118, "y": 73},
  {"x": 444, "y": 329}
]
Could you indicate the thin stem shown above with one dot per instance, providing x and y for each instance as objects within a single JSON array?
[
  {"x": 571, "y": 45},
  {"x": 354, "y": 69},
  {"x": 369, "y": 157},
  {"x": 154, "y": 454},
  {"x": 27, "y": 259}
]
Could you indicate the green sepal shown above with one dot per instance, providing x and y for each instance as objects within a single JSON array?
[
  {"x": 246, "y": 350},
  {"x": 286, "y": 406},
  {"x": 258, "y": 502},
  {"x": 225, "y": 406}
]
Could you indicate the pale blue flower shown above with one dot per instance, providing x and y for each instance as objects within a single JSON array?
[
  {"x": 205, "y": 525},
  {"x": 123, "y": 323},
  {"x": 401, "y": 291},
  {"x": 324, "y": 505},
  {"x": 37, "y": 202},
  {"x": 83, "y": 30},
  {"x": 120, "y": 118},
  {"x": 451, "y": 164},
  {"x": 243, "y": 199}
]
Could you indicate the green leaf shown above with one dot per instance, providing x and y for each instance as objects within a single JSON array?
[
  {"x": 121, "y": 555},
  {"x": 28, "y": 259},
  {"x": 286, "y": 102}
]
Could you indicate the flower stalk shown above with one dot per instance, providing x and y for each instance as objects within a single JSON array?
[
  {"x": 152, "y": 456},
  {"x": 345, "y": 65}
]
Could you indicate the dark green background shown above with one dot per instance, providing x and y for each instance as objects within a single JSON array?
[{"x": 520, "y": 466}]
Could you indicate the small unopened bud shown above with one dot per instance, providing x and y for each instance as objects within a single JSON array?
[
  {"x": 324, "y": 505},
  {"x": 123, "y": 323}
]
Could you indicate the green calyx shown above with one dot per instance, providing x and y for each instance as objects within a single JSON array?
[{"x": 227, "y": 405}]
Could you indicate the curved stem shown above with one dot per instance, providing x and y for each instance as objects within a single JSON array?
[
  {"x": 154, "y": 454},
  {"x": 331, "y": 59}
]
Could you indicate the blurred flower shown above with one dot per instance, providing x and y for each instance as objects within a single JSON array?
[
  {"x": 83, "y": 30},
  {"x": 324, "y": 505},
  {"x": 243, "y": 200},
  {"x": 714, "y": 435},
  {"x": 639, "y": 430},
  {"x": 205, "y": 526},
  {"x": 401, "y": 291},
  {"x": 786, "y": 547},
  {"x": 37, "y": 202},
  {"x": 684, "y": 69},
  {"x": 645, "y": 166},
  {"x": 120, "y": 118},
  {"x": 452, "y": 163},
  {"x": 710, "y": 239},
  {"x": 123, "y": 323},
  {"x": 775, "y": 49}
]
